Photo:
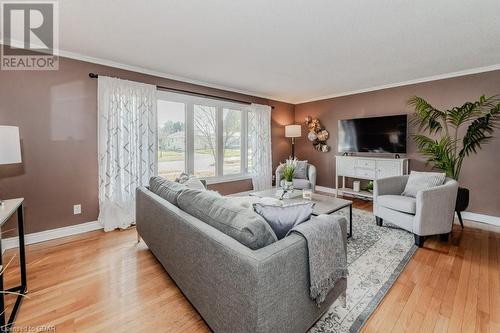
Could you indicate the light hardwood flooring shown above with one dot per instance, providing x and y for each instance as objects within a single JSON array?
[{"x": 105, "y": 282}]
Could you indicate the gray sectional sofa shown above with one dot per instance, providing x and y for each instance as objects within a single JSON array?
[{"x": 234, "y": 288}]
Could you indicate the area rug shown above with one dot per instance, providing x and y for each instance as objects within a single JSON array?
[{"x": 375, "y": 256}]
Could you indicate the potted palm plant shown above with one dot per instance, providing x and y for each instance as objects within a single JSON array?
[{"x": 453, "y": 135}]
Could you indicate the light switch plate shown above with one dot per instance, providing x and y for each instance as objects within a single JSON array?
[{"x": 77, "y": 209}]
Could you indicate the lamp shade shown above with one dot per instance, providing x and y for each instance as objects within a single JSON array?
[
  {"x": 293, "y": 131},
  {"x": 10, "y": 145}
]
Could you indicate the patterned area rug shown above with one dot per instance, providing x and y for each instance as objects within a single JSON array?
[{"x": 376, "y": 256}]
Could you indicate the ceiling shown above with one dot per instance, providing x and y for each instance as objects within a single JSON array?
[{"x": 288, "y": 50}]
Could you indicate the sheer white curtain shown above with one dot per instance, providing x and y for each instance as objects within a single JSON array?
[
  {"x": 127, "y": 147},
  {"x": 260, "y": 141}
]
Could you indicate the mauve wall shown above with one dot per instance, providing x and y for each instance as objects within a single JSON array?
[
  {"x": 57, "y": 115},
  {"x": 481, "y": 173}
]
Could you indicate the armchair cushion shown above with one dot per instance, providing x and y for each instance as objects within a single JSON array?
[
  {"x": 300, "y": 170},
  {"x": 421, "y": 181},
  {"x": 301, "y": 184},
  {"x": 398, "y": 202}
]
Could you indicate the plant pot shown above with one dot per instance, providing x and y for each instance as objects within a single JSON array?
[
  {"x": 462, "y": 199},
  {"x": 286, "y": 185}
]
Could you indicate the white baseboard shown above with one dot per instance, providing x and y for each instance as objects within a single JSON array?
[
  {"x": 488, "y": 219},
  {"x": 46, "y": 235},
  {"x": 482, "y": 218}
]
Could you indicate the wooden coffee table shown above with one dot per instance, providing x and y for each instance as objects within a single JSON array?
[{"x": 324, "y": 204}]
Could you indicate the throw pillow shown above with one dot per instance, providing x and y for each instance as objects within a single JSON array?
[
  {"x": 190, "y": 181},
  {"x": 166, "y": 189},
  {"x": 282, "y": 218},
  {"x": 421, "y": 181},
  {"x": 182, "y": 178},
  {"x": 300, "y": 170}
]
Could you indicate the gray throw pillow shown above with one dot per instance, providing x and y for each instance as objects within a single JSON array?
[
  {"x": 421, "y": 181},
  {"x": 166, "y": 189},
  {"x": 282, "y": 218},
  {"x": 300, "y": 170},
  {"x": 238, "y": 222}
]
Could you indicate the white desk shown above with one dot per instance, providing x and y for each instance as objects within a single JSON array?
[{"x": 8, "y": 209}]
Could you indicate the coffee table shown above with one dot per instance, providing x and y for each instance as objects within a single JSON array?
[{"x": 324, "y": 204}]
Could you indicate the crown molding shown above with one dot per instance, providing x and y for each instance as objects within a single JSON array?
[
  {"x": 465, "y": 72},
  {"x": 138, "y": 69},
  {"x": 142, "y": 70}
]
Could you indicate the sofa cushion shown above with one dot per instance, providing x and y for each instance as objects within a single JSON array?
[
  {"x": 300, "y": 171},
  {"x": 238, "y": 222},
  {"x": 400, "y": 203},
  {"x": 166, "y": 189},
  {"x": 282, "y": 218},
  {"x": 421, "y": 181},
  {"x": 301, "y": 183}
]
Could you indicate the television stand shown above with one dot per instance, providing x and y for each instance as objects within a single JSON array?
[{"x": 366, "y": 168}]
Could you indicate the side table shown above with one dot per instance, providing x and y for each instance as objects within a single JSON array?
[{"x": 7, "y": 209}]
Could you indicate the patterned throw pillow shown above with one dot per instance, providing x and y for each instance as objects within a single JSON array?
[
  {"x": 191, "y": 181},
  {"x": 421, "y": 181},
  {"x": 282, "y": 218},
  {"x": 300, "y": 170}
]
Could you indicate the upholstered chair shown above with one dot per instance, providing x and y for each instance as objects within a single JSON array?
[
  {"x": 307, "y": 183},
  {"x": 431, "y": 213}
]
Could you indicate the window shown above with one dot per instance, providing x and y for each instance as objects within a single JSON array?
[
  {"x": 205, "y": 144},
  {"x": 171, "y": 138},
  {"x": 205, "y": 137},
  {"x": 231, "y": 138}
]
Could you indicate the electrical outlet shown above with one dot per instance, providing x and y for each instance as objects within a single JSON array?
[{"x": 77, "y": 209}]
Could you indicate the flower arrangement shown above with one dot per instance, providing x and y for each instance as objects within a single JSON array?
[{"x": 289, "y": 168}]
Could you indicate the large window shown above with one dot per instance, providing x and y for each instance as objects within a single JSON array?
[
  {"x": 205, "y": 137},
  {"x": 171, "y": 138},
  {"x": 205, "y": 143},
  {"x": 231, "y": 139}
]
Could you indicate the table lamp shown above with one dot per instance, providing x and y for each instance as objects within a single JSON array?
[
  {"x": 293, "y": 131},
  {"x": 10, "y": 146}
]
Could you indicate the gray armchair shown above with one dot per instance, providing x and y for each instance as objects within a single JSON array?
[
  {"x": 309, "y": 182},
  {"x": 430, "y": 213}
]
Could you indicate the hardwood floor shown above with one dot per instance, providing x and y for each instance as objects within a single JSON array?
[{"x": 105, "y": 282}]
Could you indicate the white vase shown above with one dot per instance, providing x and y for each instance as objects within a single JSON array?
[{"x": 288, "y": 186}]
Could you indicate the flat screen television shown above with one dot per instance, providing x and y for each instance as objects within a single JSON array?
[{"x": 374, "y": 135}]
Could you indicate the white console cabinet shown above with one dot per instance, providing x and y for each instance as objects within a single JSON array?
[{"x": 368, "y": 168}]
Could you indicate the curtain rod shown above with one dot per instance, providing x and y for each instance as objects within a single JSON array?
[{"x": 95, "y": 76}]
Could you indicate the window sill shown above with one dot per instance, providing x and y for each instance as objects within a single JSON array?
[{"x": 227, "y": 179}]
